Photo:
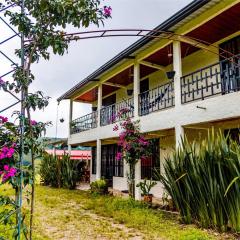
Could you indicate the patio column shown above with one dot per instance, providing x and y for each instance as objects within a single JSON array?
[
  {"x": 99, "y": 106},
  {"x": 177, "y": 67},
  {"x": 70, "y": 122},
  {"x": 136, "y": 87},
  {"x": 98, "y": 159},
  {"x": 179, "y": 134},
  {"x": 137, "y": 180}
]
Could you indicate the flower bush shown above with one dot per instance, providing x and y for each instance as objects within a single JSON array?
[
  {"x": 7, "y": 173},
  {"x": 132, "y": 144},
  {"x": 11, "y": 172}
]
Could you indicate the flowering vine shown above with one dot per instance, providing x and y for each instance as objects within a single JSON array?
[
  {"x": 132, "y": 144},
  {"x": 7, "y": 173}
]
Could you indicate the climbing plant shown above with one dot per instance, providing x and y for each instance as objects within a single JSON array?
[
  {"x": 42, "y": 24},
  {"x": 132, "y": 145}
]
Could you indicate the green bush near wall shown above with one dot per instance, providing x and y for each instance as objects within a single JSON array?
[
  {"x": 60, "y": 172},
  {"x": 204, "y": 182},
  {"x": 99, "y": 187}
]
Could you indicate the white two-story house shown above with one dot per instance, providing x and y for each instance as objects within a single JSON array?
[{"x": 185, "y": 80}]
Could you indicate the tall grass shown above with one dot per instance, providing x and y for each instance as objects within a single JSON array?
[
  {"x": 60, "y": 172},
  {"x": 203, "y": 181}
]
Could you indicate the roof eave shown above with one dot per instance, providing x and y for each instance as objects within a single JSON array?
[{"x": 177, "y": 17}]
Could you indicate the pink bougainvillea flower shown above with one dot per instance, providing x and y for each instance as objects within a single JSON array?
[
  {"x": 8, "y": 172},
  {"x": 119, "y": 156},
  {"x": 6, "y": 168},
  {"x": 33, "y": 122},
  {"x": 107, "y": 11},
  {"x": 3, "y": 119},
  {"x": 6, "y": 152},
  {"x": 143, "y": 141},
  {"x": 14, "y": 145},
  {"x": 115, "y": 128}
]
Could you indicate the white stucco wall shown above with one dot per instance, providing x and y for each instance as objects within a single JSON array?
[
  {"x": 92, "y": 177},
  {"x": 120, "y": 183},
  {"x": 217, "y": 108}
]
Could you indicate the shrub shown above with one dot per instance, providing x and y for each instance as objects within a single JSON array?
[
  {"x": 49, "y": 170},
  {"x": 60, "y": 172},
  {"x": 146, "y": 186},
  {"x": 99, "y": 187},
  {"x": 203, "y": 181}
]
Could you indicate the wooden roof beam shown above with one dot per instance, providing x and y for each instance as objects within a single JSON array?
[
  {"x": 114, "y": 85},
  {"x": 153, "y": 65},
  {"x": 197, "y": 44}
]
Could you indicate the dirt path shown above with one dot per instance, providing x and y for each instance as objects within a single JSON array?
[{"x": 72, "y": 222}]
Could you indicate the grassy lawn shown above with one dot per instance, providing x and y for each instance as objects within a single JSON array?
[{"x": 73, "y": 215}]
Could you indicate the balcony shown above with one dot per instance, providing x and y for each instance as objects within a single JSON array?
[
  {"x": 110, "y": 114},
  {"x": 84, "y": 123},
  {"x": 217, "y": 79},
  {"x": 159, "y": 98}
]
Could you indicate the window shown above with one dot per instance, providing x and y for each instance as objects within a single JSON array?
[
  {"x": 94, "y": 169},
  {"x": 144, "y": 97},
  {"x": 118, "y": 165},
  {"x": 230, "y": 70},
  {"x": 110, "y": 166},
  {"x": 151, "y": 165}
]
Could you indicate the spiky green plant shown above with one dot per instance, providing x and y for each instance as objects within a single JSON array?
[
  {"x": 203, "y": 181},
  {"x": 60, "y": 172},
  {"x": 49, "y": 170},
  {"x": 69, "y": 172}
]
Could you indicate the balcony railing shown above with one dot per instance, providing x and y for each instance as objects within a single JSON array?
[
  {"x": 110, "y": 114},
  {"x": 156, "y": 99},
  {"x": 84, "y": 123},
  {"x": 220, "y": 78}
]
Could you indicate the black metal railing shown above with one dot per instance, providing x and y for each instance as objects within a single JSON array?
[
  {"x": 84, "y": 123},
  {"x": 116, "y": 112},
  {"x": 220, "y": 78},
  {"x": 156, "y": 99}
]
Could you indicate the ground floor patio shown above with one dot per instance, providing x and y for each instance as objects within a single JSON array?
[{"x": 164, "y": 143}]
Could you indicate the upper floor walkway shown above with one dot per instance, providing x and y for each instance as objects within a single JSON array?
[{"x": 213, "y": 82}]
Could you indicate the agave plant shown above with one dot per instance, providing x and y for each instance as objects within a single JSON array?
[
  {"x": 69, "y": 172},
  {"x": 204, "y": 181},
  {"x": 60, "y": 172}
]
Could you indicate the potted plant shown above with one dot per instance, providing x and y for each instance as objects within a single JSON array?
[
  {"x": 170, "y": 75},
  {"x": 129, "y": 92},
  {"x": 146, "y": 187},
  {"x": 94, "y": 109}
]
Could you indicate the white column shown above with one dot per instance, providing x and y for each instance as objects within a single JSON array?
[
  {"x": 179, "y": 134},
  {"x": 70, "y": 123},
  {"x": 98, "y": 159},
  {"x": 177, "y": 67},
  {"x": 137, "y": 180},
  {"x": 99, "y": 106},
  {"x": 91, "y": 164},
  {"x": 136, "y": 87},
  {"x": 125, "y": 169}
]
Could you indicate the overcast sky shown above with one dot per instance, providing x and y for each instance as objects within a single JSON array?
[{"x": 56, "y": 76}]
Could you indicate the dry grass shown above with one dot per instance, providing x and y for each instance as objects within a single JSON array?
[{"x": 72, "y": 215}]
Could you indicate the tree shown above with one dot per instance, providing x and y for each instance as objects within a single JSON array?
[
  {"x": 132, "y": 144},
  {"x": 42, "y": 24}
]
